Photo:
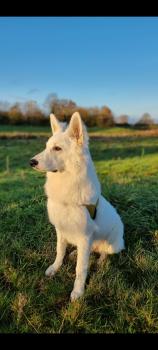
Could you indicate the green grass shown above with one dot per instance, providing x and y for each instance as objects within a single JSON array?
[
  {"x": 40, "y": 128},
  {"x": 110, "y": 130},
  {"x": 30, "y": 132},
  {"x": 24, "y": 128},
  {"x": 122, "y": 296},
  {"x": 9, "y": 130}
]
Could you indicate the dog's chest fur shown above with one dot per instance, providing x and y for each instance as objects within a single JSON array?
[{"x": 66, "y": 196}]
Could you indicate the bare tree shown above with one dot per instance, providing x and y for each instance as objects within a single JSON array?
[
  {"x": 4, "y": 108},
  {"x": 50, "y": 99},
  {"x": 122, "y": 120},
  {"x": 146, "y": 119},
  {"x": 105, "y": 117},
  {"x": 62, "y": 108},
  {"x": 32, "y": 113},
  {"x": 15, "y": 114}
]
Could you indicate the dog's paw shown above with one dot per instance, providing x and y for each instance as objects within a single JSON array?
[
  {"x": 76, "y": 294},
  {"x": 50, "y": 272}
]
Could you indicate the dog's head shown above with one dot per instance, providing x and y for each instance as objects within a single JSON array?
[{"x": 64, "y": 147}]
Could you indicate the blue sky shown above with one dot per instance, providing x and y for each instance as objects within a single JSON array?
[{"x": 94, "y": 61}]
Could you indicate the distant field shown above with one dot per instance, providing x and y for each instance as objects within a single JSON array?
[
  {"x": 31, "y": 128},
  {"x": 11, "y": 130},
  {"x": 121, "y": 297},
  {"x": 28, "y": 131}
]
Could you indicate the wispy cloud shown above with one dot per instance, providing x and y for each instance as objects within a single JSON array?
[{"x": 32, "y": 91}]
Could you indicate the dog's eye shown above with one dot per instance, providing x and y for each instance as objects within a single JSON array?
[{"x": 56, "y": 148}]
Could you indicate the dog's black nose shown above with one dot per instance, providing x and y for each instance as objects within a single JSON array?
[{"x": 33, "y": 162}]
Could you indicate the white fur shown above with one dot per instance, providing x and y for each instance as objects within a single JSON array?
[{"x": 73, "y": 185}]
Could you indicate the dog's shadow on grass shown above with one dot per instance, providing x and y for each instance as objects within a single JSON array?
[{"x": 137, "y": 206}]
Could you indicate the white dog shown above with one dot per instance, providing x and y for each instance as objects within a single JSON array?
[{"x": 80, "y": 214}]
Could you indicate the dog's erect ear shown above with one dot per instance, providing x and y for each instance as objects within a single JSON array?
[
  {"x": 55, "y": 125},
  {"x": 75, "y": 129}
]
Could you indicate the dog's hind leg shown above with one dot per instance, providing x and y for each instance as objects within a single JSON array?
[{"x": 61, "y": 248}]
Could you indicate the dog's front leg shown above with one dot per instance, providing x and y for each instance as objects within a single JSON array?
[
  {"x": 61, "y": 248},
  {"x": 83, "y": 252}
]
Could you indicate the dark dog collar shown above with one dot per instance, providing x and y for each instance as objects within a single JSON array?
[{"x": 92, "y": 208}]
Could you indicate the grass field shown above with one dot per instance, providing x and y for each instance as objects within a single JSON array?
[
  {"x": 30, "y": 132},
  {"x": 122, "y": 296}
]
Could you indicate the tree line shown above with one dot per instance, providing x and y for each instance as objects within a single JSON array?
[{"x": 30, "y": 113}]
